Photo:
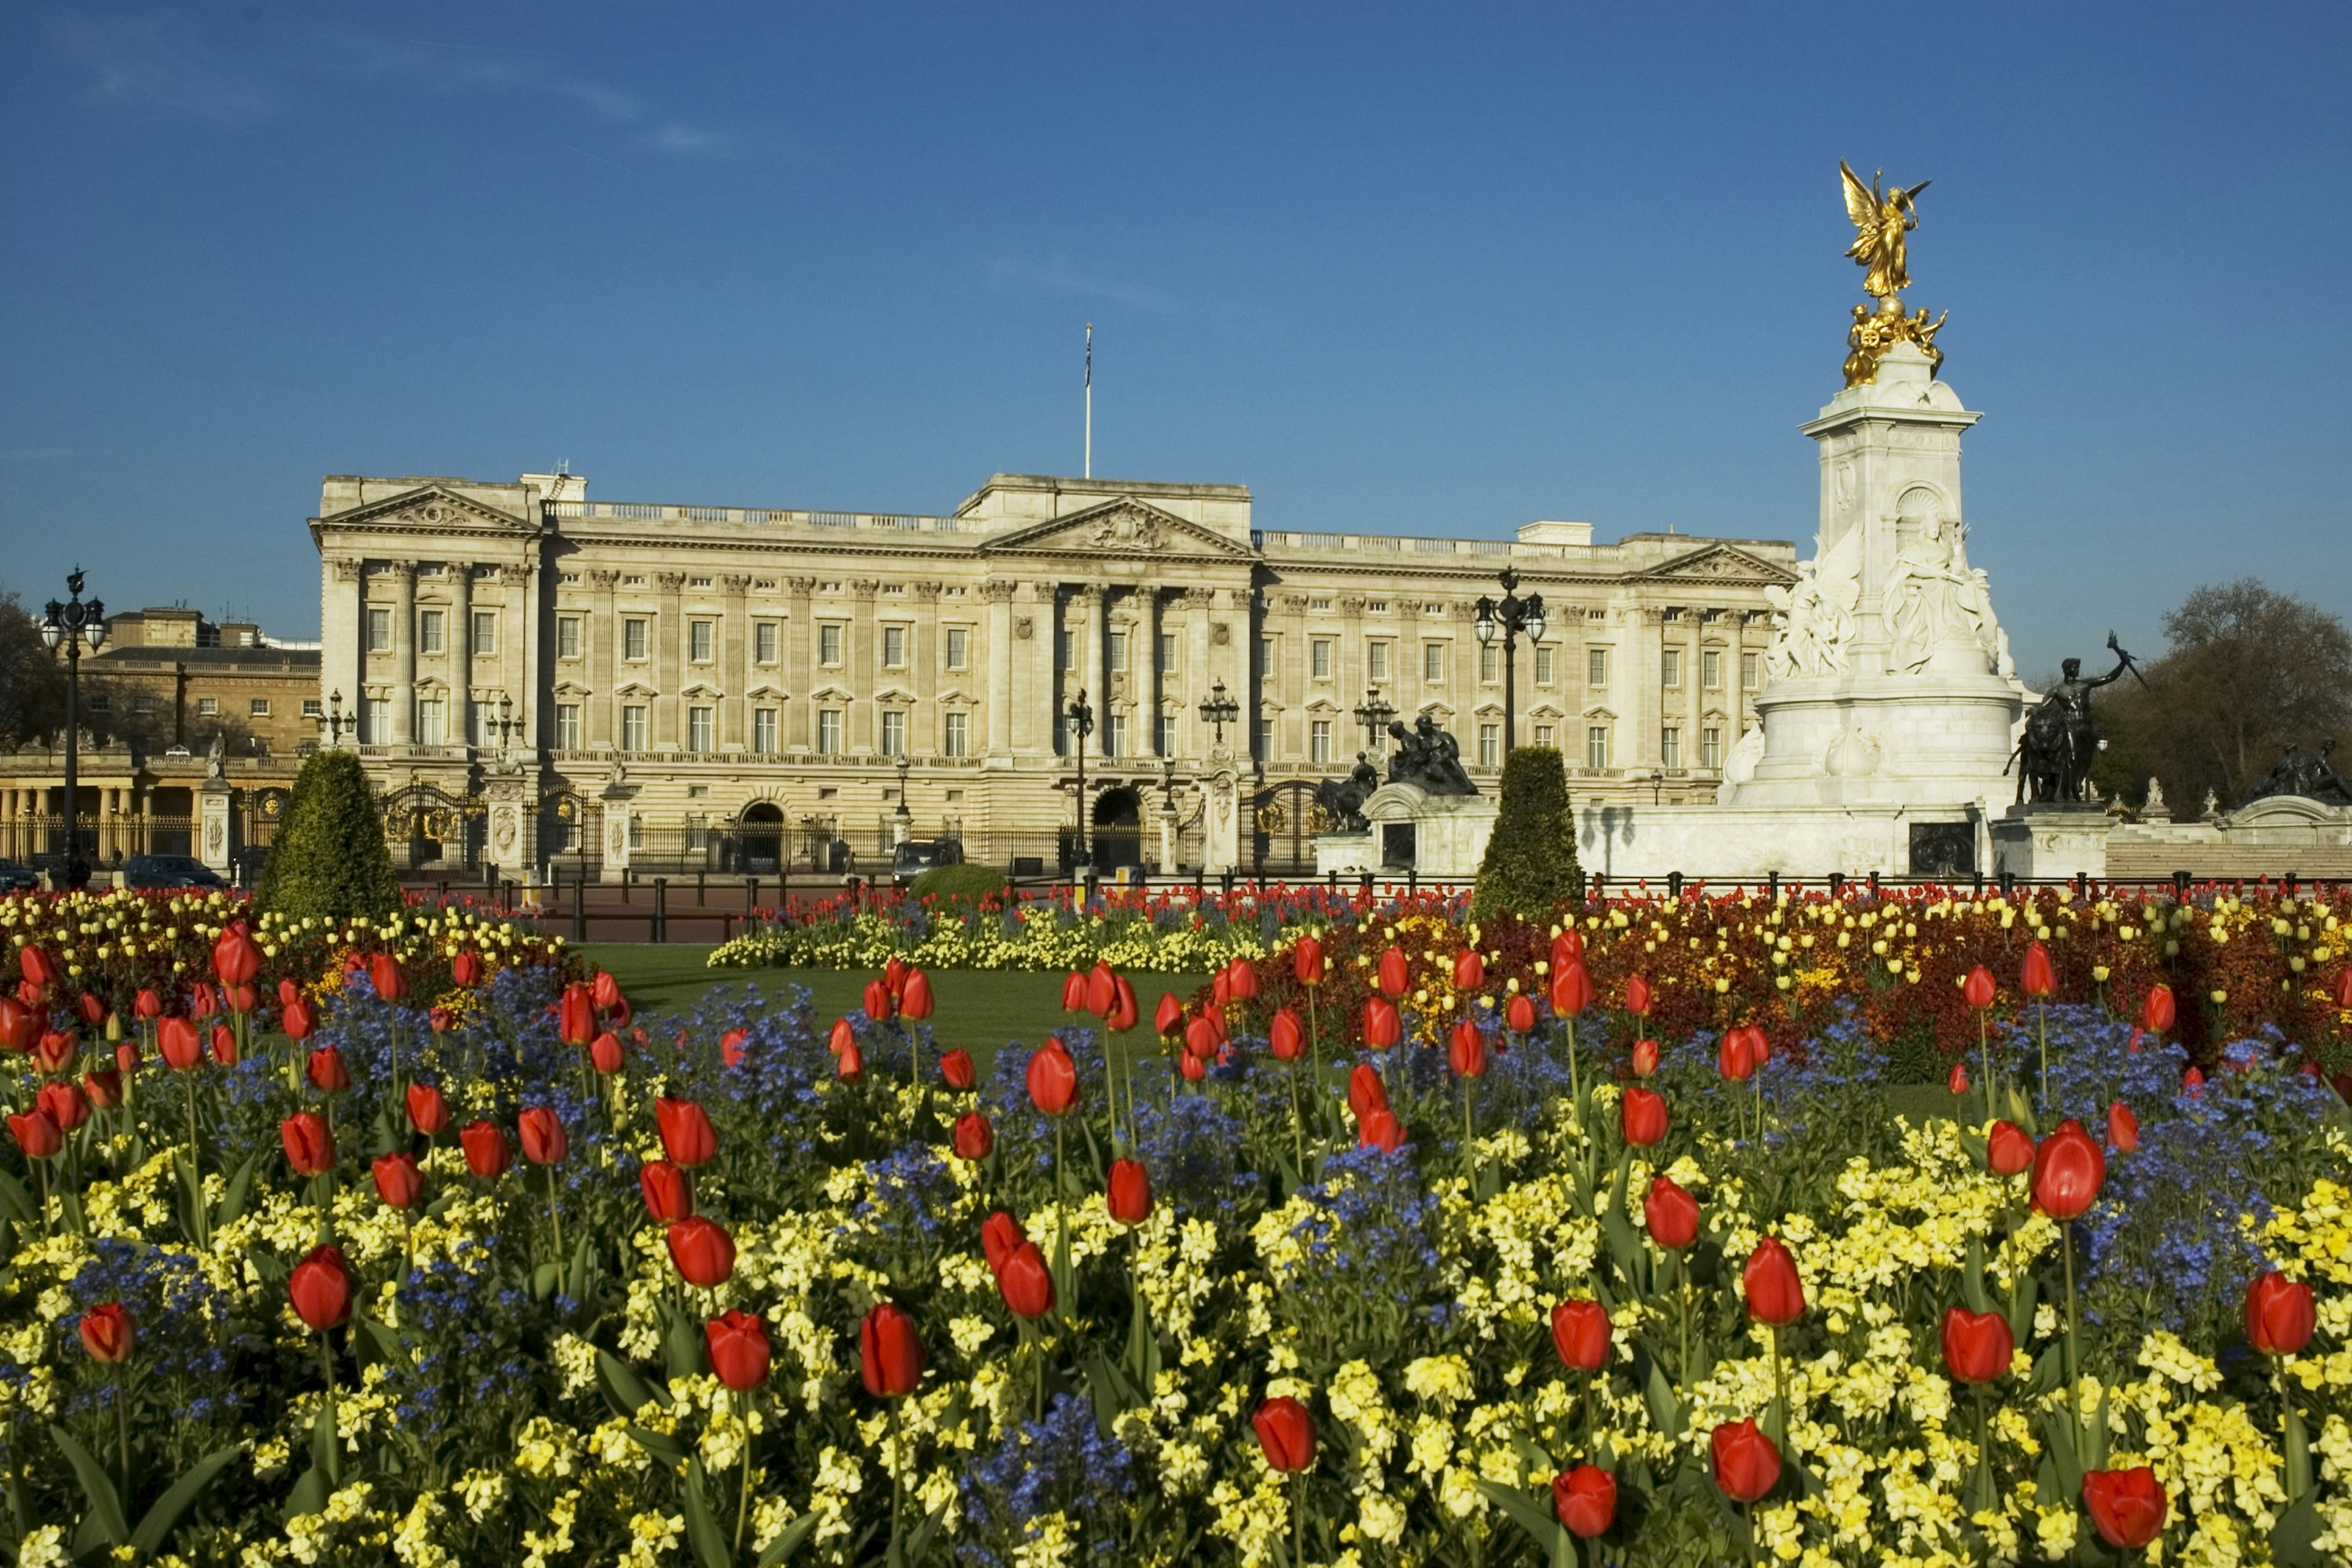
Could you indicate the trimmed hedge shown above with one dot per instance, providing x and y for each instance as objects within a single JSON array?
[
  {"x": 329, "y": 859},
  {"x": 970, "y": 880},
  {"x": 1531, "y": 865}
]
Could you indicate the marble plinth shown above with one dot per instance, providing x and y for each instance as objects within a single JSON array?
[
  {"x": 2050, "y": 839},
  {"x": 1449, "y": 831}
]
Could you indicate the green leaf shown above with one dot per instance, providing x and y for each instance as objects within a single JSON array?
[
  {"x": 627, "y": 1391},
  {"x": 1624, "y": 1246},
  {"x": 2059, "y": 1432},
  {"x": 1142, "y": 1350},
  {"x": 787, "y": 1541},
  {"x": 2022, "y": 1311},
  {"x": 660, "y": 1445},
  {"x": 233, "y": 1197},
  {"x": 1110, "y": 1390},
  {"x": 1665, "y": 1410},
  {"x": 310, "y": 1494},
  {"x": 682, "y": 1346},
  {"x": 2293, "y": 1536},
  {"x": 1535, "y": 1519},
  {"x": 69, "y": 1210},
  {"x": 17, "y": 1203},
  {"x": 920, "y": 1542},
  {"x": 105, "y": 1508},
  {"x": 164, "y": 1517},
  {"x": 1972, "y": 1285},
  {"x": 711, "y": 1548},
  {"x": 326, "y": 1445},
  {"x": 544, "y": 1281},
  {"x": 379, "y": 1337}
]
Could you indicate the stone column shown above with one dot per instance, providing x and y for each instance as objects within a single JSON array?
[
  {"x": 669, "y": 664},
  {"x": 1348, "y": 682},
  {"x": 212, "y": 823},
  {"x": 865, "y": 737},
  {"x": 1037, "y": 679},
  {"x": 342, "y": 630},
  {"x": 603, "y": 656},
  {"x": 735, "y": 665},
  {"x": 404, "y": 653},
  {"x": 1292, "y": 732},
  {"x": 800, "y": 724},
  {"x": 1145, "y": 660},
  {"x": 1695, "y": 672},
  {"x": 515, "y": 626},
  {"x": 923, "y": 722},
  {"x": 1198, "y": 605},
  {"x": 527, "y": 629},
  {"x": 457, "y": 642},
  {"x": 1090, "y": 605},
  {"x": 999, "y": 655}
]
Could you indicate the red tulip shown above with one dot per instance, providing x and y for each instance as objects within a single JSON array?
[
  {"x": 92, "y": 1008},
  {"x": 1957, "y": 1081},
  {"x": 1644, "y": 1115},
  {"x": 287, "y": 992},
  {"x": 1286, "y": 1435},
  {"x": 1285, "y": 1037},
  {"x": 2038, "y": 978},
  {"x": 1074, "y": 993},
  {"x": 1746, "y": 1462},
  {"x": 1240, "y": 980},
  {"x": 1124, "y": 1010},
  {"x": 20, "y": 1026},
  {"x": 1637, "y": 997},
  {"x": 310, "y": 1144},
  {"x": 104, "y": 1086},
  {"x": 1052, "y": 1079},
  {"x": 321, "y": 1289},
  {"x": 1466, "y": 1050},
  {"x": 605, "y": 990},
  {"x": 1519, "y": 1013},
  {"x": 1645, "y": 1058},
  {"x": 1579, "y": 1332},
  {"x": 850, "y": 1064},
  {"x": 2008, "y": 1151},
  {"x": 487, "y": 1154},
  {"x": 466, "y": 969},
  {"x": 1585, "y": 1498},
  {"x": 1733, "y": 1058},
  {"x": 1571, "y": 988},
  {"x": 669, "y": 1195},
  {"x": 1469, "y": 971},
  {"x": 1382, "y": 1026},
  {"x": 731, "y": 1047},
  {"x": 1977, "y": 990},
  {"x": 1391, "y": 974},
  {"x": 878, "y": 1002},
  {"x": 384, "y": 975},
  {"x": 1366, "y": 1092},
  {"x": 1001, "y": 1237},
  {"x": 1379, "y": 1129},
  {"x": 107, "y": 1333},
  {"x": 739, "y": 1349},
  {"x": 1025, "y": 1283},
  {"x": 2280, "y": 1314},
  {"x": 126, "y": 1055},
  {"x": 1128, "y": 1193},
  {"x": 889, "y": 1351},
  {"x": 1775, "y": 1295},
  {"x": 702, "y": 1251},
  {"x": 327, "y": 1073},
  {"x": 398, "y": 1179},
  {"x": 575, "y": 1016},
  {"x": 2126, "y": 1506},
  {"x": 956, "y": 1069},
  {"x": 974, "y": 1137},
  {"x": 2122, "y": 1127},
  {"x": 224, "y": 1046},
  {"x": 63, "y": 1104},
  {"x": 543, "y": 1140},
  {"x": 235, "y": 958},
  {"x": 36, "y": 1134},
  {"x": 148, "y": 1004},
  {"x": 182, "y": 1046},
  {"x": 893, "y": 975},
  {"x": 1977, "y": 1346},
  {"x": 1191, "y": 1067},
  {"x": 2341, "y": 995},
  {"x": 685, "y": 1132},
  {"x": 441, "y": 1019},
  {"x": 2155, "y": 1014},
  {"x": 203, "y": 1003},
  {"x": 300, "y": 1019},
  {"x": 1307, "y": 962},
  {"x": 1759, "y": 1045},
  {"x": 55, "y": 1049},
  {"x": 1567, "y": 948},
  {"x": 605, "y": 1054},
  {"x": 2192, "y": 1081},
  {"x": 428, "y": 1112},
  {"x": 1169, "y": 1017},
  {"x": 2067, "y": 1169},
  {"x": 39, "y": 969}
]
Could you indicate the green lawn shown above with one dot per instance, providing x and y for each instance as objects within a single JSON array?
[{"x": 979, "y": 1010}]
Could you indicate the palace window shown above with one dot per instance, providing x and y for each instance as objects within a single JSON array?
[
  {"x": 1710, "y": 748},
  {"x": 698, "y": 641},
  {"x": 764, "y": 642},
  {"x": 379, "y": 631},
  {"x": 894, "y": 732},
  {"x": 763, "y": 732},
  {"x": 1320, "y": 652},
  {"x": 955, "y": 735},
  {"x": 633, "y": 727},
  {"x": 1167, "y": 735},
  {"x": 1543, "y": 735},
  {"x": 429, "y": 631},
  {"x": 633, "y": 638},
  {"x": 828, "y": 731},
  {"x": 1596, "y": 746},
  {"x": 312, "y": 708},
  {"x": 1710, "y": 669},
  {"x": 1670, "y": 747},
  {"x": 1117, "y": 650},
  {"x": 1167, "y": 652},
  {"x": 894, "y": 648},
  {"x": 1265, "y": 740},
  {"x": 1266, "y": 652},
  {"x": 1596, "y": 667},
  {"x": 1543, "y": 666},
  {"x": 1115, "y": 735},
  {"x": 1318, "y": 603},
  {"x": 144, "y": 703},
  {"x": 429, "y": 725},
  {"x": 486, "y": 632},
  {"x": 1065, "y": 649},
  {"x": 1318, "y": 742},
  {"x": 828, "y": 642},
  {"x": 375, "y": 720},
  {"x": 1748, "y": 667},
  {"x": 258, "y": 707},
  {"x": 636, "y": 831},
  {"x": 698, "y": 582},
  {"x": 633, "y": 580},
  {"x": 567, "y": 726},
  {"x": 698, "y": 728},
  {"x": 1490, "y": 663},
  {"x": 1670, "y": 666},
  {"x": 1433, "y": 662},
  {"x": 1376, "y": 661},
  {"x": 567, "y": 637},
  {"x": 207, "y": 706},
  {"x": 1490, "y": 745},
  {"x": 957, "y": 646}
]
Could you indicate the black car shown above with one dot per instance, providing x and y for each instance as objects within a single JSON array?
[
  {"x": 170, "y": 871},
  {"x": 16, "y": 878},
  {"x": 917, "y": 855}
]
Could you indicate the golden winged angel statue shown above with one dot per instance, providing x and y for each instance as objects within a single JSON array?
[{"x": 1880, "y": 221}]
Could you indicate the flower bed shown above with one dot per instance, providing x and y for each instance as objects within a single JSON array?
[{"x": 546, "y": 1285}]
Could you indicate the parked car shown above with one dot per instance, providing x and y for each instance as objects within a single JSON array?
[
  {"x": 170, "y": 871},
  {"x": 16, "y": 878},
  {"x": 917, "y": 855}
]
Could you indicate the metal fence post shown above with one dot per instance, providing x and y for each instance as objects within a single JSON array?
[
  {"x": 661, "y": 909},
  {"x": 580, "y": 904}
]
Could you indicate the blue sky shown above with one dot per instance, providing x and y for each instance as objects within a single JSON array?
[{"x": 1429, "y": 270}]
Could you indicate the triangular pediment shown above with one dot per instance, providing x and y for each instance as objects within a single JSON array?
[
  {"x": 434, "y": 508},
  {"x": 1122, "y": 529},
  {"x": 1717, "y": 563}
]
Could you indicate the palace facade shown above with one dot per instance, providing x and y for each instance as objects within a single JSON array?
[{"x": 530, "y": 675}]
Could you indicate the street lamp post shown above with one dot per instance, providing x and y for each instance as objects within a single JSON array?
[
  {"x": 1218, "y": 709},
  {"x": 1082, "y": 724},
  {"x": 905, "y": 816},
  {"x": 332, "y": 722},
  {"x": 1511, "y": 616},
  {"x": 73, "y": 624},
  {"x": 1374, "y": 716}
]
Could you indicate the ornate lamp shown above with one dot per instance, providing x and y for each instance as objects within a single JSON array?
[
  {"x": 1218, "y": 709},
  {"x": 1374, "y": 716},
  {"x": 1510, "y": 616},
  {"x": 1082, "y": 724},
  {"x": 71, "y": 625}
]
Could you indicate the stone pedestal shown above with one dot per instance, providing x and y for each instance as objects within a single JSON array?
[
  {"x": 616, "y": 798},
  {"x": 1168, "y": 839},
  {"x": 1220, "y": 848},
  {"x": 1349, "y": 854},
  {"x": 508, "y": 843},
  {"x": 213, "y": 843},
  {"x": 2050, "y": 839},
  {"x": 1449, "y": 831}
]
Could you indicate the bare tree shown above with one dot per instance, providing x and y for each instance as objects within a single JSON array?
[{"x": 32, "y": 680}]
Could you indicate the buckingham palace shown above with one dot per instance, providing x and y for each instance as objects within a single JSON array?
[{"x": 535, "y": 678}]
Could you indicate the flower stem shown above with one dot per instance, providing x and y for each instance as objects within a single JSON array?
[
  {"x": 555, "y": 1216},
  {"x": 743, "y": 1502},
  {"x": 2073, "y": 1353}
]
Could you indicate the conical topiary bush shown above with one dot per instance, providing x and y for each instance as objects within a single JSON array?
[
  {"x": 330, "y": 857},
  {"x": 1530, "y": 864}
]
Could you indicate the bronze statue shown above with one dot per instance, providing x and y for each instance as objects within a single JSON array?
[
  {"x": 1880, "y": 222},
  {"x": 2312, "y": 777},
  {"x": 1427, "y": 757},
  {"x": 2061, "y": 738},
  {"x": 1343, "y": 799}
]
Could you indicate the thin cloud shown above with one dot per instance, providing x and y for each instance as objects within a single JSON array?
[
  {"x": 136, "y": 60},
  {"x": 687, "y": 142},
  {"x": 1058, "y": 274}
]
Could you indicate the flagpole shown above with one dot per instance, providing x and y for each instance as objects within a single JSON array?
[{"x": 1090, "y": 400}]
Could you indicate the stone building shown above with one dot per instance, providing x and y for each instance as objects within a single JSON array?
[{"x": 535, "y": 676}]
